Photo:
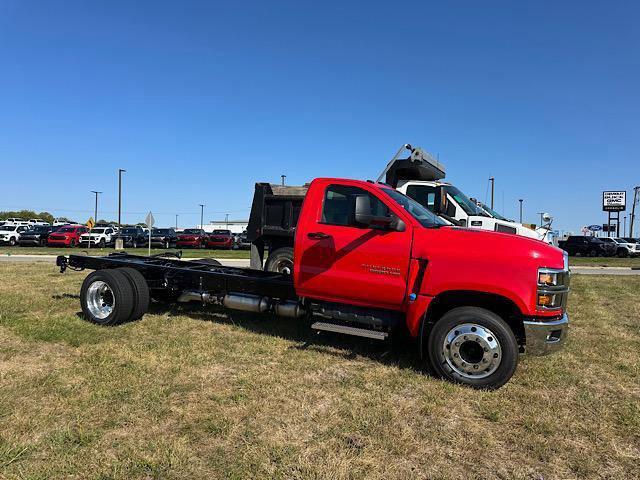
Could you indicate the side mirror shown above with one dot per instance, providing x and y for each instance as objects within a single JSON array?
[{"x": 363, "y": 216}]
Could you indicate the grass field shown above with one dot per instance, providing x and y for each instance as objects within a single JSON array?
[
  {"x": 189, "y": 393},
  {"x": 186, "y": 253}
]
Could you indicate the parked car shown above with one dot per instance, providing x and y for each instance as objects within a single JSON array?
[
  {"x": 66, "y": 236},
  {"x": 163, "y": 237},
  {"x": 586, "y": 246},
  {"x": 626, "y": 248},
  {"x": 15, "y": 221},
  {"x": 98, "y": 237},
  {"x": 192, "y": 237},
  {"x": 220, "y": 239},
  {"x": 133, "y": 237},
  {"x": 241, "y": 242},
  {"x": 10, "y": 234},
  {"x": 37, "y": 221},
  {"x": 37, "y": 235}
]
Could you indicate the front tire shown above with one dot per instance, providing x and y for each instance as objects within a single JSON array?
[
  {"x": 473, "y": 346},
  {"x": 102, "y": 243},
  {"x": 280, "y": 261},
  {"x": 107, "y": 297},
  {"x": 12, "y": 242}
]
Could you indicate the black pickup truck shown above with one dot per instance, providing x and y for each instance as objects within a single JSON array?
[
  {"x": 585, "y": 246},
  {"x": 133, "y": 237}
]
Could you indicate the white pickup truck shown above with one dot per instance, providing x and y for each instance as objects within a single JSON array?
[
  {"x": 420, "y": 177},
  {"x": 11, "y": 233},
  {"x": 97, "y": 237}
]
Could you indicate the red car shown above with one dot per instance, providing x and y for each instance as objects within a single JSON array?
[
  {"x": 192, "y": 238},
  {"x": 66, "y": 236},
  {"x": 220, "y": 239}
]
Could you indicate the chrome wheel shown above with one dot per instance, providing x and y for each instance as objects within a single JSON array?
[
  {"x": 284, "y": 266},
  {"x": 100, "y": 300},
  {"x": 472, "y": 351}
]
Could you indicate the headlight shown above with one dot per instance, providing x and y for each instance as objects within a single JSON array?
[
  {"x": 553, "y": 287},
  {"x": 547, "y": 278}
]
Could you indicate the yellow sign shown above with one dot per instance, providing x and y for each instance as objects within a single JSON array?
[{"x": 90, "y": 223}]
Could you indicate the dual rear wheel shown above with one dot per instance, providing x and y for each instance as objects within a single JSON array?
[{"x": 111, "y": 297}]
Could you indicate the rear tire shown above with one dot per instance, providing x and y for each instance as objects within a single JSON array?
[
  {"x": 622, "y": 253},
  {"x": 473, "y": 346},
  {"x": 107, "y": 297},
  {"x": 140, "y": 290},
  {"x": 12, "y": 242},
  {"x": 280, "y": 261}
]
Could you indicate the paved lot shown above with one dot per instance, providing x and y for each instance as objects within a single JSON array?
[{"x": 242, "y": 262}]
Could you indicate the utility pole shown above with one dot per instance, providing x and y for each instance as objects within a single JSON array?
[
  {"x": 95, "y": 212},
  {"x": 624, "y": 226},
  {"x": 541, "y": 220},
  {"x": 493, "y": 181},
  {"x": 521, "y": 200},
  {"x": 120, "y": 170},
  {"x": 176, "y": 221},
  {"x": 201, "y": 216},
  {"x": 632, "y": 219},
  {"x": 226, "y": 220},
  {"x": 282, "y": 177}
]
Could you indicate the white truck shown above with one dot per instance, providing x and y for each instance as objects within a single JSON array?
[
  {"x": 98, "y": 237},
  {"x": 420, "y": 177},
  {"x": 10, "y": 234}
]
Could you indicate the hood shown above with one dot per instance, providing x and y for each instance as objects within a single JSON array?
[{"x": 473, "y": 257}]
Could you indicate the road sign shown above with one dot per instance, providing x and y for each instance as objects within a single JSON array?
[
  {"x": 150, "y": 221},
  {"x": 90, "y": 223},
  {"x": 595, "y": 228},
  {"x": 614, "y": 201}
]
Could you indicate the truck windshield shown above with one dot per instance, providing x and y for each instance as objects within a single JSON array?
[
  {"x": 465, "y": 203},
  {"x": 424, "y": 216},
  {"x": 493, "y": 213}
]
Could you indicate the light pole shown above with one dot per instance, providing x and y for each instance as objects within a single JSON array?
[
  {"x": 226, "y": 220},
  {"x": 282, "y": 177},
  {"x": 95, "y": 212},
  {"x": 120, "y": 170},
  {"x": 201, "y": 216},
  {"x": 493, "y": 181},
  {"x": 624, "y": 225},
  {"x": 521, "y": 200},
  {"x": 632, "y": 218},
  {"x": 176, "y": 221}
]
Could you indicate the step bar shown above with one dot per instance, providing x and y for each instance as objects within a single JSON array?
[{"x": 358, "y": 332}]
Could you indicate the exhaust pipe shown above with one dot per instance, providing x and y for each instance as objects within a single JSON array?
[
  {"x": 246, "y": 303},
  {"x": 193, "y": 296},
  {"x": 289, "y": 309}
]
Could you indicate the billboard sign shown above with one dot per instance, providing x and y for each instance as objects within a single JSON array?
[{"x": 614, "y": 201}]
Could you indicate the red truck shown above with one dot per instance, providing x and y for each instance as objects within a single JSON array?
[
  {"x": 371, "y": 262},
  {"x": 220, "y": 239},
  {"x": 192, "y": 238},
  {"x": 66, "y": 236}
]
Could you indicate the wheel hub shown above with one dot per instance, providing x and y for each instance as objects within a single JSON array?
[
  {"x": 472, "y": 350},
  {"x": 100, "y": 299}
]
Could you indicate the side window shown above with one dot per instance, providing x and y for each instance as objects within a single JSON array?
[
  {"x": 424, "y": 195},
  {"x": 339, "y": 201}
]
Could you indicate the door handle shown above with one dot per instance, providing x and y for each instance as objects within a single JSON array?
[{"x": 317, "y": 235}]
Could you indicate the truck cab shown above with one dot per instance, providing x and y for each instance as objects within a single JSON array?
[{"x": 420, "y": 176}]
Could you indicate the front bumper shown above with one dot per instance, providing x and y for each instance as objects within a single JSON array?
[
  {"x": 30, "y": 241},
  {"x": 543, "y": 338}
]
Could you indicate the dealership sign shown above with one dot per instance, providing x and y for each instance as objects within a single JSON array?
[
  {"x": 614, "y": 201},
  {"x": 594, "y": 228}
]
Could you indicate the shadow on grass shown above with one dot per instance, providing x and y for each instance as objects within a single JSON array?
[{"x": 400, "y": 351}]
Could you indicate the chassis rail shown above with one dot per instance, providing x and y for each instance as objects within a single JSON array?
[{"x": 178, "y": 275}]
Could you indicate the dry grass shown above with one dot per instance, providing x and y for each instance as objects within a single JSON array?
[{"x": 187, "y": 393}]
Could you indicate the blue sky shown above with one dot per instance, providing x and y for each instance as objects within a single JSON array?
[{"x": 199, "y": 100}]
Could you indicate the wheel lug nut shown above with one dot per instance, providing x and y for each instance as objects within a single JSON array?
[
  {"x": 465, "y": 337},
  {"x": 486, "y": 349},
  {"x": 495, "y": 355},
  {"x": 475, "y": 367},
  {"x": 455, "y": 355}
]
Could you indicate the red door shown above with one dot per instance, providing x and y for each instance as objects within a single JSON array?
[{"x": 339, "y": 261}]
